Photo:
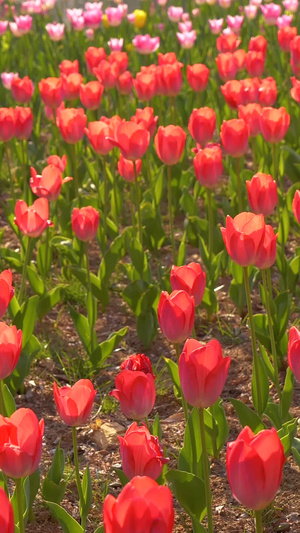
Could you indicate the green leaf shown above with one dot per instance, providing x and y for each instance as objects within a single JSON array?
[
  {"x": 189, "y": 490},
  {"x": 100, "y": 529},
  {"x": 44, "y": 257},
  {"x": 132, "y": 294},
  {"x": 26, "y": 317},
  {"x": 262, "y": 384},
  {"x": 106, "y": 348},
  {"x": 287, "y": 394},
  {"x": 156, "y": 427},
  {"x": 272, "y": 411},
  {"x": 35, "y": 281},
  {"x": 67, "y": 522},
  {"x": 268, "y": 365},
  {"x": 190, "y": 456},
  {"x": 282, "y": 303},
  {"x": 57, "y": 468},
  {"x": 219, "y": 426},
  {"x": 8, "y": 400},
  {"x": 87, "y": 493},
  {"x": 98, "y": 289},
  {"x": 147, "y": 326},
  {"x": 182, "y": 251},
  {"x": 49, "y": 300},
  {"x": 111, "y": 258},
  {"x": 174, "y": 374},
  {"x": 287, "y": 434},
  {"x": 247, "y": 417},
  {"x": 284, "y": 226},
  {"x": 53, "y": 492},
  {"x": 83, "y": 329},
  {"x": 262, "y": 330}
]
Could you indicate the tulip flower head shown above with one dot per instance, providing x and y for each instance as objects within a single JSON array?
[
  {"x": 249, "y": 461},
  {"x": 296, "y": 206},
  {"x": 274, "y": 123},
  {"x": 244, "y": 237},
  {"x": 85, "y": 222},
  {"x": 197, "y": 76},
  {"x": 145, "y": 44},
  {"x": 48, "y": 184},
  {"x": 169, "y": 144},
  {"x": 176, "y": 315},
  {"x": 294, "y": 351},
  {"x": 32, "y": 220},
  {"x": 135, "y": 390},
  {"x": 7, "y": 523},
  {"x": 262, "y": 194},
  {"x": 74, "y": 404},
  {"x": 7, "y": 291},
  {"x": 190, "y": 278},
  {"x": 235, "y": 137},
  {"x": 208, "y": 166},
  {"x": 10, "y": 347}
]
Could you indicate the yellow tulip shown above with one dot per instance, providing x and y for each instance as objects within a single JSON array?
[
  {"x": 105, "y": 21},
  {"x": 140, "y": 18}
]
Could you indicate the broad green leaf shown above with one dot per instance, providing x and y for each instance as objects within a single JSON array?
[
  {"x": 83, "y": 329},
  {"x": 66, "y": 521},
  {"x": 87, "y": 492},
  {"x": 106, "y": 348},
  {"x": 190, "y": 456},
  {"x": 174, "y": 374},
  {"x": 189, "y": 490},
  {"x": 35, "y": 281},
  {"x": 146, "y": 326},
  {"x": 8, "y": 400},
  {"x": 26, "y": 317},
  {"x": 260, "y": 385},
  {"x": 247, "y": 417},
  {"x": 287, "y": 394}
]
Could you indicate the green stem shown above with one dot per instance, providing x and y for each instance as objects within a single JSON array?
[
  {"x": 77, "y": 474},
  {"x": 105, "y": 205},
  {"x": 113, "y": 170},
  {"x": 24, "y": 273},
  {"x": 137, "y": 200},
  {"x": 2, "y": 404},
  {"x": 210, "y": 224},
  {"x": 268, "y": 295},
  {"x": 183, "y": 400},
  {"x": 7, "y": 156},
  {"x": 275, "y": 166},
  {"x": 171, "y": 214},
  {"x": 258, "y": 522},
  {"x": 75, "y": 171},
  {"x": 19, "y": 490},
  {"x": 47, "y": 250},
  {"x": 132, "y": 202},
  {"x": 253, "y": 146},
  {"x": 206, "y": 471},
  {"x": 253, "y": 341},
  {"x": 90, "y": 298},
  {"x": 25, "y": 180},
  {"x": 239, "y": 185}
]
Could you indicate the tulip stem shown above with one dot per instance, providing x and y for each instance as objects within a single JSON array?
[
  {"x": 90, "y": 298},
  {"x": 253, "y": 145},
  {"x": 7, "y": 156},
  {"x": 132, "y": 209},
  {"x": 78, "y": 481},
  {"x": 210, "y": 224},
  {"x": 19, "y": 490},
  {"x": 105, "y": 205},
  {"x": 137, "y": 201},
  {"x": 268, "y": 293},
  {"x": 2, "y": 404},
  {"x": 253, "y": 341},
  {"x": 24, "y": 271},
  {"x": 113, "y": 171},
  {"x": 258, "y": 522},
  {"x": 75, "y": 173},
  {"x": 183, "y": 400},
  {"x": 206, "y": 471},
  {"x": 171, "y": 214},
  {"x": 25, "y": 180},
  {"x": 239, "y": 185}
]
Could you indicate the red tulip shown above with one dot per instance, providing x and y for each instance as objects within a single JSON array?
[
  {"x": 132, "y": 139},
  {"x": 254, "y": 467},
  {"x": 267, "y": 92},
  {"x": 125, "y": 82},
  {"x": 20, "y": 443},
  {"x": 235, "y": 136},
  {"x": 7, "y": 123},
  {"x": 294, "y": 352},
  {"x": 74, "y": 404},
  {"x": 274, "y": 123},
  {"x": 208, "y": 165},
  {"x": 107, "y": 73},
  {"x": 85, "y": 222},
  {"x": 23, "y": 123},
  {"x": 243, "y": 237},
  {"x": 262, "y": 194},
  {"x": 71, "y": 85},
  {"x": 145, "y": 86},
  {"x": 202, "y": 124},
  {"x": 146, "y": 117},
  {"x": 113, "y": 123},
  {"x": 69, "y": 67},
  {"x": 228, "y": 43},
  {"x": 197, "y": 76},
  {"x": 169, "y": 144},
  {"x": 295, "y": 91},
  {"x": 90, "y": 94},
  {"x": 141, "y": 453},
  {"x": 234, "y": 93},
  {"x": 121, "y": 58},
  {"x": 48, "y": 184},
  {"x": 59, "y": 162},
  {"x": 142, "y": 507},
  {"x": 202, "y": 371},
  {"x": 126, "y": 168},
  {"x": 135, "y": 391},
  {"x": 190, "y": 278},
  {"x": 7, "y": 524},
  {"x": 295, "y": 51},
  {"x": 167, "y": 59},
  {"x": 255, "y": 63},
  {"x": 258, "y": 44},
  {"x": 227, "y": 66},
  {"x": 7, "y": 291},
  {"x": 240, "y": 57},
  {"x": 251, "y": 87},
  {"x": 296, "y": 206},
  {"x": 98, "y": 133},
  {"x": 51, "y": 92},
  {"x": 71, "y": 123},
  {"x": 138, "y": 362},
  {"x": 170, "y": 79},
  {"x": 285, "y": 36},
  {"x": 22, "y": 89},
  {"x": 93, "y": 57},
  {"x": 10, "y": 348},
  {"x": 176, "y": 315},
  {"x": 32, "y": 220},
  {"x": 266, "y": 256},
  {"x": 250, "y": 113}
]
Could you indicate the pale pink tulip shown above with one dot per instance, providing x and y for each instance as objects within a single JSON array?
[
  {"x": 114, "y": 15},
  {"x": 175, "y": 13},
  {"x": 145, "y": 44},
  {"x": 215, "y": 25},
  {"x": 56, "y": 31},
  {"x": 284, "y": 21},
  {"x": 187, "y": 39},
  {"x": 115, "y": 45},
  {"x": 271, "y": 12}
]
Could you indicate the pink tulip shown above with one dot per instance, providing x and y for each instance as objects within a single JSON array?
[
  {"x": 7, "y": 78},
  {"x": 56, "y": 31},
  {"x": 115, "y": 45},
  {"x": 235, "y": 23},
  {"x": 225, "y": 4},
  {"x": 185, "y": 26},
  {"x": 3, "y": 26},
  {"x": 284, "y": 21},
  {"x": 114, "y": 15},
  {"x": 92, "y": 18},
  {"x": 291, "y": 5},
  {"x": 271, "y": 12},
  {"x": 187, "y": 39},
  {"x": 90, "y": 6},
  {"x": 144, "y": 44},
  {"x": 250, "y": 11},
  {"x": 175, "y": 13},
  {"x": 215, "y": 26}
]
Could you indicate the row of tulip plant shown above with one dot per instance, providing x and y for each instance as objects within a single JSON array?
[{"x": 133, "y": 161}]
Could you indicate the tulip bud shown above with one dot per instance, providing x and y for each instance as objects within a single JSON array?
[
  {"x": 274, "y": 124},
  {"x": 132, "y": 139},
  {"x": 32, "y": 220},
  {"x": 143, "y": 505},
  {"x": 7, "y": 123},
  {"x": 169, "y": 144},
  {"x": 74, "y": 404},
  {"x": 266, "y": 256},
  {"x": 296, "y": 206},
  {"x": 262, "y": 194},
  {"x": 202, "y": 124},
  {"x": 208, "y": 166},
  {"x": 90, "y": 94},
  {"x": 234, "y": 93},
  {"x": 243, "y": 237},
  {"x": 71, "y": 123},
  {"x": 294, "y": 352},
  {"x": 197, "y": 76},
  {"x": 250, "y": 113},
  {"x": 85, "y": 222},
  {"x": 189, "y": 278},
  {"x": 249, "y": 461},
  {"x": 22, "y": 89},
  {"x": 7, "y": 524},
  {"x": 7, "y": 291},
  {"x": 176, "y": 315},
  {"x": 51, "y": 92},
  {"x": 235, "y": 136},
  {"x": 203, "y": 371},
  {"x": 10, "y": 348},
  {"x": 135, "y": 391}
]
